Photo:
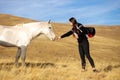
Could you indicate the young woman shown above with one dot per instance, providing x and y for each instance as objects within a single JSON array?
[{"x": 78, "y": 31}]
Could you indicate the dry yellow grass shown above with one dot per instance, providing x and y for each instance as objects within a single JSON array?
[{"x": 59, "y": 60}]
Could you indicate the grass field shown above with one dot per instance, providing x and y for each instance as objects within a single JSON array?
[{"x": 59, "y": 60}]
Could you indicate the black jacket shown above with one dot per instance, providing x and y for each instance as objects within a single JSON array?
[{"x": 79, "y": 29}]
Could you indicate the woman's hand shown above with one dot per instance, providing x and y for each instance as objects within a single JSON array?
[{"x": 59, "y": 38}]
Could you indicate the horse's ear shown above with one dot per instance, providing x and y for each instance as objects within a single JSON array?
[{"x": 49, "y": 21}]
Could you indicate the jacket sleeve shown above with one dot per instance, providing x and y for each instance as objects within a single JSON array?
[{"x": 67, "y": 34}]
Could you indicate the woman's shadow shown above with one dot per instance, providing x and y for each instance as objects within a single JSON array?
[{"x": 110, "y": 67}]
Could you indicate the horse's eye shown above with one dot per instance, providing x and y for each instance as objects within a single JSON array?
[{"x": 49, "y": 27}]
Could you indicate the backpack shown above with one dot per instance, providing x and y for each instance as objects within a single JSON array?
[{"x": 90, "y": 31}]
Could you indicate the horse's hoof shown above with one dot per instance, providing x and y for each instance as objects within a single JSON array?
[
  {"x": 16, "y": 65},
  {"x": 23, "y": 65}
]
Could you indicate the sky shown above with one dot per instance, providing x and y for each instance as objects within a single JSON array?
[{"x": 102, "y": 12}]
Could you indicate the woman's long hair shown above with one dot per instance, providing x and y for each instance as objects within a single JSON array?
[{"x": 73, "y": 21}]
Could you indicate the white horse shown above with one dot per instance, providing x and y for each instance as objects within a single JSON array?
[{"x": 21, "y": 35}]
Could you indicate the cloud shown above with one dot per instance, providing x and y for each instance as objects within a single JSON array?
[{"x": 60, "y": 11}]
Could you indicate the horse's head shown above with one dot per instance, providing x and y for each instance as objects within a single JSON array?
[{"x": 48, "y": 31}]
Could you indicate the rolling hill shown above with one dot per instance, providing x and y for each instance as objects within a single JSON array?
[{"x": 59, "y": 60}]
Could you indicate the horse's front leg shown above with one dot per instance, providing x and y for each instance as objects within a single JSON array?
[
  {"x": 17, "y": 56},
  {"x": 23, "y": 54}
]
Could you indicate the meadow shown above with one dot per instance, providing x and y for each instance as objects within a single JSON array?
[{"x": 59, "y": 60}]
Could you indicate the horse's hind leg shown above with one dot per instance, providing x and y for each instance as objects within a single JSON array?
[
  {"x": 23, "y": 54},
  {"x": 17, "y": 56}
]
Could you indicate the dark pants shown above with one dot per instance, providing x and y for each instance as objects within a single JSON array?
[{"x": 84, "y": 51}]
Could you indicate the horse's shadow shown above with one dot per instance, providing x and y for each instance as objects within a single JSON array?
[
  {"x": 41, "y": 65},
  {"x": 28, "y": 64}
]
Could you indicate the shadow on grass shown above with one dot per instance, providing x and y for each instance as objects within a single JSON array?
[
  {"x": 28, "y": 64},
  {"x": 110, "y": 67}
]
